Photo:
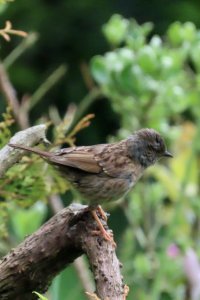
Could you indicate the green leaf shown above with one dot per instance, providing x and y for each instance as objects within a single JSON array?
[
  {"x": 136, "y": 35},
  {"x": 115, "y": 29},
  {"x": 179, "y": 33},
  {"x": 189, "y": 32},
  {"x": 148, "y": 60},
  {"x": 100, "y": 70},
  {"x": 175, "y": 33}
]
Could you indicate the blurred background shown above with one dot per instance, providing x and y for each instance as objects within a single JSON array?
[{"x": 133, "y": 64}]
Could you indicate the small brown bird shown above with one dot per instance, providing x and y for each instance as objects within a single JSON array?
[{"x": 106, "y": 172}]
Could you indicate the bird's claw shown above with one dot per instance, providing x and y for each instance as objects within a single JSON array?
[{"x": 102, "y": 213}]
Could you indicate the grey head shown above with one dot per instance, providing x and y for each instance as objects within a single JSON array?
[{"x": 146, "y": 146}]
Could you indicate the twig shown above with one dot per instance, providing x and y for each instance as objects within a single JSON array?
[
  {"x": 83, "y": 274},
  {"x": 92, "y": 296},
  {"x": 7, "y": 31},
  {"x": 30, "y": 136},
  {"x": 45, "y": 86},
  {"x": 11, "y": 98},
  {"x": 55, "y": 203},
  {"x": 20, "y": 49},
  {"x": 89, "y": 82}
]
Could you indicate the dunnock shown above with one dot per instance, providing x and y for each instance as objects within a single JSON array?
[{"x": 106, "y": 172}]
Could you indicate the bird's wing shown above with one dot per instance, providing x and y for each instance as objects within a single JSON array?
[
  {"x": 108, "y": 158},
  {"x": 82, "y": 158},
  {"x": 113, "y": 159}
]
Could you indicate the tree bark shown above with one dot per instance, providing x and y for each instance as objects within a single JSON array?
[
  {"x": 30, "y": 136},
  {"x": 35, "y": 262}
]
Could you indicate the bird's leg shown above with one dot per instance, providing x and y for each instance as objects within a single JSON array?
[
  {"x": 102, "y": 230},
  {"x": 102, "y": 212}
]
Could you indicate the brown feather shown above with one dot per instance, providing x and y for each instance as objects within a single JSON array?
[
  {"x": 80, "y": 160},
  {"x": 30, "y": 149},
  {"x": 113, "y": 159},
  {"x": 77, "y": 157}
]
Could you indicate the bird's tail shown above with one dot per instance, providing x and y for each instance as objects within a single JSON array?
[{"x": 30, "y": 149}]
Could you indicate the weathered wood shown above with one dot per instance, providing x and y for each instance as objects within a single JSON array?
[
  {"x": 30, "y": 136},
  {"x": 35, "y": 262}
]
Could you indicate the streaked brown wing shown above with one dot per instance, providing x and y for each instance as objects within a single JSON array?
[
  {"x": 80, "y": 158},
  {"x": 113, "y": 159}
]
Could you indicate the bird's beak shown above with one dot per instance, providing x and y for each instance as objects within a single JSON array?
[{"x": 167, "y": 154}]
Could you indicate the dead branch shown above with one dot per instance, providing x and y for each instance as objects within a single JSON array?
[
  {"x": 34, "y": 263},
  {"x": 11, "y": 97},
  {"x": 30, "y": 136}
]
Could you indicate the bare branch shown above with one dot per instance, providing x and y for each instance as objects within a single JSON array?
[
  {"x": 30, "y": 136},
  {"x": 84, "y": 274},
  {"x": 34, "y": 263},
  {"x": 8, "y": 30},
  {"x": 20, "y": 49},
  {"x": 46, "y": 85},
  {"x": 11, "y": 98}
]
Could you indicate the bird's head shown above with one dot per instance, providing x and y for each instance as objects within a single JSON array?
[{"x": 146, "y": 146}]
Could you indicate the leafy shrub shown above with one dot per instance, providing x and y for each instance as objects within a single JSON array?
[{"x": 154, "y": 82}]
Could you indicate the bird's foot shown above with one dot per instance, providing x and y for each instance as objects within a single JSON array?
[
  {"x": 102, "y": 231},
  {"x": 102, "y": 213}
]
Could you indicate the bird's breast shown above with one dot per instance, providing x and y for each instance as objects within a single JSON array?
[{"x": 98, "y": 189}]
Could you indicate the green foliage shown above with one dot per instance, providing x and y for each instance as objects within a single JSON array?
[
  {"x": 5, "y": 124},
  {"x": 155, "y": 76},
  {"x": 154, "y": 82},
  {"x": 27, "y": 182},
  {"x": 115, "y": 29},
  {"x": 32, "y": 180}
]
